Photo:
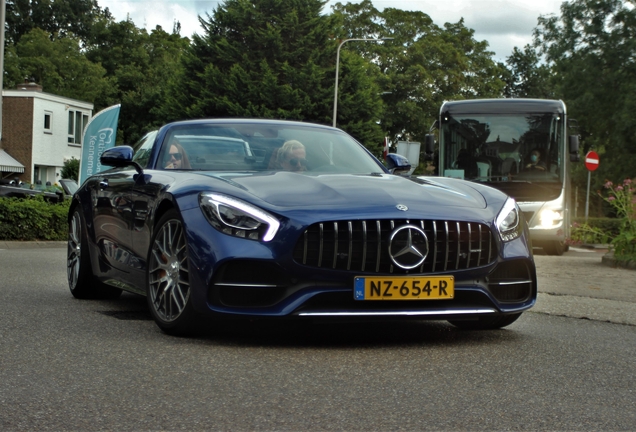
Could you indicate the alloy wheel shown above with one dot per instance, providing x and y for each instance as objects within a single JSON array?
[
  {"x": 74, "y": 252},
  {"x": 168, "y": 272}
]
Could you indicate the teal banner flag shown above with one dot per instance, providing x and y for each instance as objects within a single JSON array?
[{"x": 100, "y": 134}]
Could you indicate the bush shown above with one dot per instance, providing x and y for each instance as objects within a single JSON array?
[
  {"x": 622, "y": 197},
  {"x": 33, "y": 218},
  {"x": 610, "y": 227},
  {"x": 70, "y": 170}
]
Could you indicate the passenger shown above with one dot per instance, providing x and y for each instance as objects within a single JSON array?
[
  {"x": 291, "y": 156},
  {"x": 177, "y": 158},
  {"x": 535, "y": 161}
]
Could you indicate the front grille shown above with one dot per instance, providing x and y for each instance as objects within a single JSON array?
[
  {"x": 363, "y": 246},
  {"x": 511, "y": 282}
]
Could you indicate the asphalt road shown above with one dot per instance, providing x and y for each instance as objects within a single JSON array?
[{"x": 67, "y": 364}]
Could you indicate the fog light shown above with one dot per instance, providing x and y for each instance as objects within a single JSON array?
[{"x": 550, "y": 218}]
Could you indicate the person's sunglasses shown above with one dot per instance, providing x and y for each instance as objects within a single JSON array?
[
  {"x": 295, "y": 162},
  {"x": 176, "y": 156}
]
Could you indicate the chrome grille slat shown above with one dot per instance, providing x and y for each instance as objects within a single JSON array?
[
  {"x": 321, "y": 245},
  {"x": 435, "y": 245},
  {"x": 335, "y": 243},
  {"x": 453, "y": 245},
  {"x": 423, "y": 229},
  {"x": 459, "y": 246},
  {"x": 447, "y": 247},
  {"x": 350, "y": 227},
  {"x": 379, "y": 234},
  {"x": 470, "y": 246},
  {"x": 364, "y": 244},
  {"x": 480, "y": 247}
]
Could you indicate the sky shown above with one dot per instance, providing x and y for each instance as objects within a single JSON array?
[{"x": 504, "y": 24}]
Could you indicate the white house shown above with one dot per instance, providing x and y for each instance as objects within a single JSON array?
[{"x": 40, "y": 131}]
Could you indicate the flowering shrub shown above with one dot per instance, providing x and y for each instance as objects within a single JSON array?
[
  {"x": 622, "y": 198},
  {"x": 587, "y": 233}
]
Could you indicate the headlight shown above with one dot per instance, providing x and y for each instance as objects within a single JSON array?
[
  {"x": 550, "y": 218},
  {"x": 238, "y": 218},
  {"x": 508, "y": 221}
]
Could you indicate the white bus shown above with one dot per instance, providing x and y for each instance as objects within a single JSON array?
[{"x": 495, "y": 141}]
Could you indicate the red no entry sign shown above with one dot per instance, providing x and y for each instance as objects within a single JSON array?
[{"x": 591, "y": 160}]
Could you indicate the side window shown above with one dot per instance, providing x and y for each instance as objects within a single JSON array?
[
  {"x": 143, "y": 148},
  {"x": 48, "y": 115},
  {"x": 77, "y": 121}
]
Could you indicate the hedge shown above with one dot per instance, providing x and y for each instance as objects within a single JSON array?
[
  {"x": 36, "y": 219},
  {"x": 33, "y": 218}
]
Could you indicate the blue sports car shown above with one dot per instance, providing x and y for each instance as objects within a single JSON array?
[{"x": 264, "y": 218}]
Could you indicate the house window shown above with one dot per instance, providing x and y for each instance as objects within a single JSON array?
[
  {"x": 47, "y": 121},
  {"x": 77, "y": 121}
]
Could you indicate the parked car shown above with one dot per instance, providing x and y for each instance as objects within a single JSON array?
[
  {"x": 305, "y": 224},
  {"x": 18, "y": 189}
]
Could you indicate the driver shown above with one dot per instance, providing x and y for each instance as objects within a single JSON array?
[{"x": 177, "y": 158}]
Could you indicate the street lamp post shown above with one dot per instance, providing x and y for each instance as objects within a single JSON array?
[
  {"x": 2, "y": 19},
  {"x": 335, "y": 92}
]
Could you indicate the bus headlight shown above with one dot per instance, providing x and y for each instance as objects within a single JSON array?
[
  {"x": 550, "y": 218},
  {"x": 509, "y": 222}
]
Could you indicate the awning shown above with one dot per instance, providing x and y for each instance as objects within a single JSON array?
[{"x": 8, "y": 164}]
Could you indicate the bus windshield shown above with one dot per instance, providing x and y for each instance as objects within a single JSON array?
[{"x": 503, "y": 148}]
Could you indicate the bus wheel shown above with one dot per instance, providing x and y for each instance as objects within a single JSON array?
[{"x": 554, "y": 248}]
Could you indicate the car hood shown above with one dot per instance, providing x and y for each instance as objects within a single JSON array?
[{"x": 291, "y": 190}]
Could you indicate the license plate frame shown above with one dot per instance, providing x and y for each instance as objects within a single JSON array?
[{"x": 373, "y": 288}]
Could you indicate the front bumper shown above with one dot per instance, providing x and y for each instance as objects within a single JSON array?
[{"x": 239, "y": 277}]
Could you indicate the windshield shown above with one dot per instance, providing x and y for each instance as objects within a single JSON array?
[
  {"x": 263, "y": 147},
  {"x": 503, "y": 148}
]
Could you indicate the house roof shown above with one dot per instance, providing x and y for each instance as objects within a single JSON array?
[{"x": 8, "y": 164}]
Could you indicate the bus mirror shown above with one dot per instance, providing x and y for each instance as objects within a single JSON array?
[
  {"x": 429, "y": 146},
  {"x": 574, "y": 144},
  {"x": 574, "y": 148}
]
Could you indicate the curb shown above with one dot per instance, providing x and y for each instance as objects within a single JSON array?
[
  {"x": 31, "y": 244},
  {"x": 609, "y": 260}
]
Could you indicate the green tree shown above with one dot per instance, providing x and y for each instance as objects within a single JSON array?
[
  {"x": 528, "y": 77},
  {"x": 274, "y": 59},
  {"x": 56, "y": 17},
  {"x": 590, "y": 47},
  {"x": 139, "y": 66},
  {"x": 424, "y": 65},
  {"x": 58, "y": 65}
]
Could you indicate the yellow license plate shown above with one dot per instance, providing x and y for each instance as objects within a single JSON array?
[{"x": 404, "y": 288}]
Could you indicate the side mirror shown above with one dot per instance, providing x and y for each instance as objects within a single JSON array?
[
  {"x": 429, "y": 146},
  {"x": 397, "y": 164},
  {"x": 119, "y": 157},
  {"x": 573, "y": 141}
]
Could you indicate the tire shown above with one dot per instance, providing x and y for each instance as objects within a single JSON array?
[
  {"x": 554, "y": 248},
  {"x": 167, "y": 279},
  {"x": 81, "y": 281},
  {"x": 487, "y": 323}
]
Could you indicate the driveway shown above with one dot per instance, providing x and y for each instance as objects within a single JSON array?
[{"x": 579, "y": 285}]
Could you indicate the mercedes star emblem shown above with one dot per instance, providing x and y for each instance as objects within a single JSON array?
[{"x": 408, "y": 247}]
